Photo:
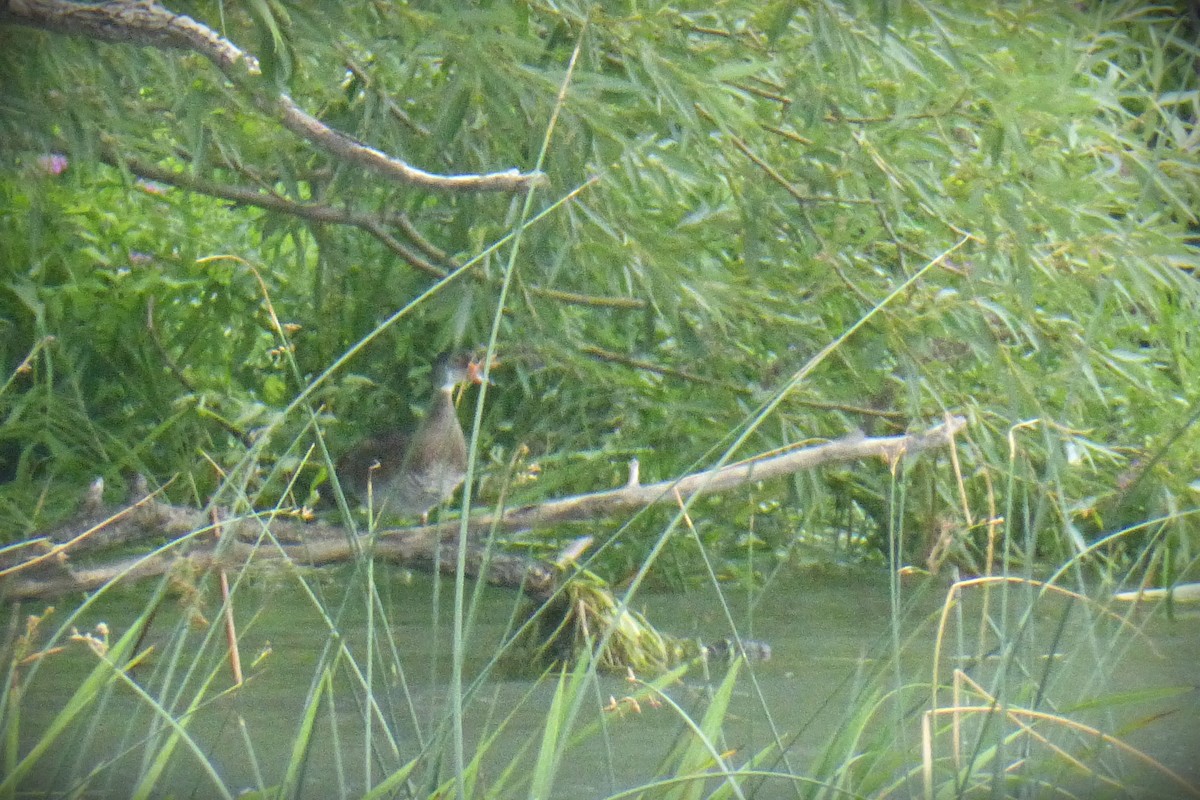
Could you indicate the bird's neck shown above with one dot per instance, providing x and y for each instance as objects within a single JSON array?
[{"x": 444, "y": 402}]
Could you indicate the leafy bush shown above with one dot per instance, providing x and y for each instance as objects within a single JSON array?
[{"x": 750, "y": 182}]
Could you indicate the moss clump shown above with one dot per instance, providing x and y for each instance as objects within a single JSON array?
[{"x": 583, "y": 615}]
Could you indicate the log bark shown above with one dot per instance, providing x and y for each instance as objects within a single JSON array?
[{"x": 45, "y": 565}]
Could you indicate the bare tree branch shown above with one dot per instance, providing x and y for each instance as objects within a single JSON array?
[
  {"x": 151, "y": 25},
  {"x": 275, "y": 537},
  {"x": 318, "y": 133},
  {"x": 635, "y": 496}
]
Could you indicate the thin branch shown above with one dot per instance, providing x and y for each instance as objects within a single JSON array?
[
  {"x": 766, "y": 94},
  {"x": 427, "y": 247},
  {"x": 179, "y": 375},
  {"x": 151, "y": 25},
  {"x": 839, "y": 117},
  {"x": 792, "y": 135},
  {"x": 313, "y": 212},
  {"x": 636, "y": 363},
  {"x": 270, "y": 201},
  {"x": 611, "y": 357},
  {"x": 373, "y": 224},
  {"x": 574, "y": 298},
  {"x": 775, "y": 175},
  {"x": 405, "y": 252},
  {"x": 162, "y": 351},
  {"x": 799, "y": 196},
  {"x": 359, "y": 72}
]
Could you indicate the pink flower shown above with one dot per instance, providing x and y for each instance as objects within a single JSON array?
[
  {"x": 152, "y": 187},
  {"x": 53, "y": 163}
]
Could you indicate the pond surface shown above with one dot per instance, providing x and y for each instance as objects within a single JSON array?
[{"x": 833, "y": 642}]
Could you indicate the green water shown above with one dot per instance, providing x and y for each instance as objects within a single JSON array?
[{"x": 833, "y": 642}]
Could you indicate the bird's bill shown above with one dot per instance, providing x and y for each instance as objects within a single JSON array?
[{"x": 475, "y": 369}]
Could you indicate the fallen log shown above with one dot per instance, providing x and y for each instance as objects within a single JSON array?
[{"x": 44, "y": 565}]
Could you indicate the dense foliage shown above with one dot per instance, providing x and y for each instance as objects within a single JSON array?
[{"x": 749, "y": 181}]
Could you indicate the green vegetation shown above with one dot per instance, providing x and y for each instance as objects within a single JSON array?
[{"x": 761, "y": 223}]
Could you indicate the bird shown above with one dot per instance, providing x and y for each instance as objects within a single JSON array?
[{"x": 409, "y": 472}]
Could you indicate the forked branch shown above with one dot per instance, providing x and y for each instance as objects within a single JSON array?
[{"x": 151, "y": 25}]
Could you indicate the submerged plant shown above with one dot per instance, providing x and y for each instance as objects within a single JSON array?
[{"x": 584, "y": 616}]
